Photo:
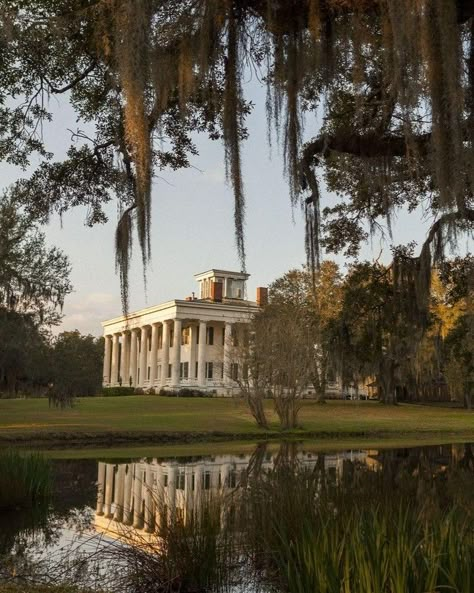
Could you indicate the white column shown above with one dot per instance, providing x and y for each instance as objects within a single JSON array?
[
  {"x": 165, "y": 358},
  {"x": 100, "y": 488},
  {"x": 143, "y": 356},
  {"x": 137, "y": 496},
  {"x": 125, "y": 364},
  {"x": 149, "y": 502},
  {"x": 115, "y": 359},
  {"x": 202, "y": 354},
  {"x": 227, "y": 353},
  {"x": 128, "y": 496},
  {"x": 192, "y": 353},
  {"x": 154, "y": 353},
  {"x": 107, "y": 360},
  {"x": 160, "y": 496},
  {"x": 176, "y": 353},
  {"x": 122, "y": 370},
  {"x": 119, "y": 492},
  {"x": 109, "y": 489},
  {"x": 171, "y": 492},
  {"x": 133, "y": 356}
]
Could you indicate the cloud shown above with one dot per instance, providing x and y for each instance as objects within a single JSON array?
[{"x": 86, "y": 313}]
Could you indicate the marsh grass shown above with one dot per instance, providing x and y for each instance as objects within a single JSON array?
[
  {"x": 25, "y": 478},
  {"x": 307, "y": 540}
]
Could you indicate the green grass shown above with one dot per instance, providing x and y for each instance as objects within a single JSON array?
[
  {"x": 140, "y": 415},
  {"x": 24, "y": 478}
]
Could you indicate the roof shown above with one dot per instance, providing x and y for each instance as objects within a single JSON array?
[{"x": 216, "y": 272}]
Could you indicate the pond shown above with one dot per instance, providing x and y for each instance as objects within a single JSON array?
[{"x": 284, "y": 517}]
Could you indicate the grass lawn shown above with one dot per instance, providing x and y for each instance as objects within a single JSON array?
[{"x": 147, "y": 414}]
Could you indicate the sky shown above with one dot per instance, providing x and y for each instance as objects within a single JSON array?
[{"x": 192, "y": 227}]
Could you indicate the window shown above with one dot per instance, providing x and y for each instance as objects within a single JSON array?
[
  {"x": 197, "y": 335},
  {"x": 149, "y": 342},
  {"x": 206, "y": 480},
  {"x": 184, "y": 370},
  {"x": 245, "y": 372},
  {"x": 196, "y": 371},
  {"x": 210, "y": 335},
  {"x": 165, "y": 480},
  {"x": 171, "y": 337},
  {"x": 185, "y": 336},
  {"x": 233, "y": 479},
  {"x": 222, "y": 370},
  {"x": 148, "y": 373},
  {"x": 209, "y": 370},
  {"x": 180, "y": 480},
  {"x": 158, "y": 372},
  {"x": 169, "y": 370},
  {"x": 223, "y": 335},
  {"x": 234, "y": 371}
]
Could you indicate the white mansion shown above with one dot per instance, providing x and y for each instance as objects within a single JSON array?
[{"x": 182, "y": 343}]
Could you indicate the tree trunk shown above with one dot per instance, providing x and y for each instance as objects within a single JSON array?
[{"x": 468, "y": 401}]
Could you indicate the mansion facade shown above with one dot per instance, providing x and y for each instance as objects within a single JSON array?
[{"x": 182, "y": 343}]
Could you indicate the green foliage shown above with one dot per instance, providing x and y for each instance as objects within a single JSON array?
[
  {"x": 395, "y": 79},
  {"x": 34, "y": 279},
  {"x": 25, "y": 479},
  {"x": 311, "y": 534},
  {"x": 77, "y": 365}
]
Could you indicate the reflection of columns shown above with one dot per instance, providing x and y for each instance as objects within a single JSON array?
[
  {"x": 176, "y": 353},
  {"x": 119, "y": 492},
  {"x": 154, "y": 353},
  {"x": 127, "y": 496},
  {"x": 160, "y": 498},
  {"x": 227, "y": 351},
  {"x": 107, "y": 359},
  {"x": 143, "y": 353},
  {"x": 123, "y": 359},
  {"x": 192, "y": 352},
  {"x": 134, "y": 355},
  {"x": 171, "y": 500},
  {"x": 109, "y": 489},
  {"x": 115, "y": 359},
  {"x": 149, "y": 503},
  {"x": 137, "y": 497},
  {"x": 165, "y": 357},
  {"x": 202, "y": 354},
  {"x": 100, "y": 488}
]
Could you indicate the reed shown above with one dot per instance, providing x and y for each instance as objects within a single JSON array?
[
  {"x": 25, "y": 478},
  {"x": 307, "y": 542}
]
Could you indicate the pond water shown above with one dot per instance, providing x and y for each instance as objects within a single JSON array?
[{"x": 107, "y": 517}]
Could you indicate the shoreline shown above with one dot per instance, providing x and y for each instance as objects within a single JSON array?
[{"x": 84, "y": 440}]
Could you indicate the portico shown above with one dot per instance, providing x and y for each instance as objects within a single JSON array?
[{"x": 181, "y": 343}]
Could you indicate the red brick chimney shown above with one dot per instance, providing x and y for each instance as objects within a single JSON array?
[
  {"x": 262, "y": 296},
  {"x": 216, "y": 291}
]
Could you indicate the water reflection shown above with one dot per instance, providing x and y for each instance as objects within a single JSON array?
[
  {"x": 146, "y": 493},
  {"x": 135, "y": 500}
]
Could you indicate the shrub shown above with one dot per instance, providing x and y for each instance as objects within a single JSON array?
[
  {"x": 25, "y": 478},
  {"x": 184, "y": 392},
  {"x": 117, "y": 391}
]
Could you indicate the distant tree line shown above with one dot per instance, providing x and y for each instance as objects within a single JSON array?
[
  {"x": 364, "y": 329},
  {"x": 34, "y": 280}
]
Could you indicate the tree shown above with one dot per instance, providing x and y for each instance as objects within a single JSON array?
[
  {"x": 34, "y": 281},
  {"x": 396, "y": 78},
  {"x": 276, "y": 360},
  {"x": 317, "y": 297},
  {"x": 77, "y": 365}
]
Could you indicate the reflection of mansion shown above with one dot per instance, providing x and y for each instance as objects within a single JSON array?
[
  {"x": 146, "y": 493},
  {"x": 182, "y": 343}
]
